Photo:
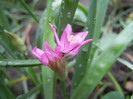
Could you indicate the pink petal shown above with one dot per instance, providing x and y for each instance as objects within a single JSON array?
[
  {"x": 87, "y": 41},
  {"x": 44, "y": 59},
  {"x": 47, "y": 48},
  {"x": 50, "y": 57},
  {"x": 70, "y": 47},
  {"x": 67, "y": 32},
  {"x": 57, "y": 51},
  {"x": 56, "y": 36},
  {"x": 37, "y": 52},
  {"x": 80, "y": 36},
  {"x": 75, "y": 51}
]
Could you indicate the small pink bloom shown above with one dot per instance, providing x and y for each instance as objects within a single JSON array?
[
  {"x": 52, "y": 59},
  {"x": 70, "y": 42}
]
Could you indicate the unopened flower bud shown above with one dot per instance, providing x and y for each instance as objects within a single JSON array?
[
  {"x": 60, "y": 68},
  {"x": 17, "y": 42}
]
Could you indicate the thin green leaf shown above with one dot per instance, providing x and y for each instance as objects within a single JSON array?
[
  {"x": 83, "y": 9},
  {"x": 47, "y": 74},
  {"x": 94, "y": 23},
  {"x": 115, "y": 83},
  {"x": 102, "y": 63},
  {"x": 64, "y": 89},
  {"x": 19, "y": 63},
  {"x": 129, "y": 65},
  {"x": 80, "y": 16}
]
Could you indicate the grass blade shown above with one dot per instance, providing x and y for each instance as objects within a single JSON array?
[
  {"x": 129, "y": 65},
  {"x": 115, "y": 83},
  {"x": 19, "y": 63},
  {"x": 46, "y": 34},
  {"x": 94, "y": 25}
]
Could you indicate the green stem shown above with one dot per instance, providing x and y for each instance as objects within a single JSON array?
[
  {"x": 64, "y": 89},
  {"x": 115, "y": 82}
]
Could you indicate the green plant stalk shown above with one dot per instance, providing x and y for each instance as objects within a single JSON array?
[
  {"x": 64, "y": 89},
  {"x": 28, "y": 10},
  {"x": 48, "y": 75},
  {"x": 115, "y": 82},
  {"x": 94, "y": 24},
  {"x": 103, "y": 63}
]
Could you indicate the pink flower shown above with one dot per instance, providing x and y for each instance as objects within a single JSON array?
[
  {"x": 52, "y": 59},
  {"x": 70, "y": 42}
]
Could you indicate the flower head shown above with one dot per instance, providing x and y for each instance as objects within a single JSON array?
[
  {"x": 52, "y": 59},
  {"x": 70, "y": 42}
]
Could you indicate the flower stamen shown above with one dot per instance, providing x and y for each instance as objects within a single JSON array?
[{"x": 71, "y": 39}]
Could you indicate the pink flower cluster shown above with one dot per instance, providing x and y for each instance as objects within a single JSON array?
[{"x": 69, "y": 44}]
